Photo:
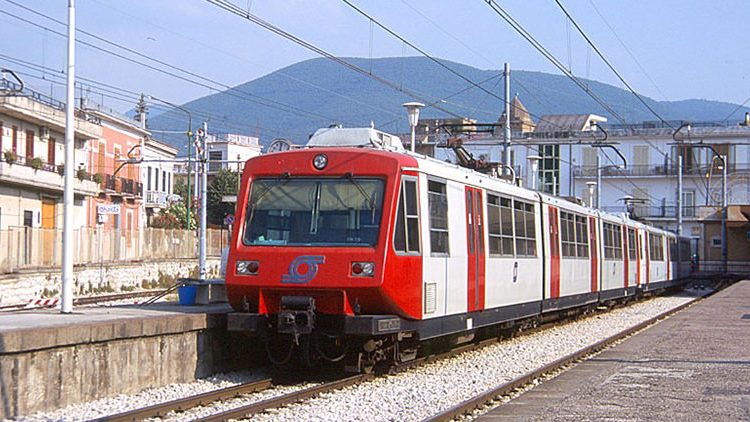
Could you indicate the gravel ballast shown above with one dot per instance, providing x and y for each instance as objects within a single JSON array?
[{"x": 409, "y": 396}]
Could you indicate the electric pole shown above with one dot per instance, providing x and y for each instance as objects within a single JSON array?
[
  {"x": 68, "y": 208},
  {"x": 204, "y": 202},
  {"x": 506, "y": 131}
]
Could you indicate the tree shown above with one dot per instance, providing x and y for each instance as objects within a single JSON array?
[
  {"x": 224, "y": 183},
  {"x": 173, "y": 217}
]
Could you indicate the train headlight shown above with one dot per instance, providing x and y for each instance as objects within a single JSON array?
[
  {"x": 320, "y": 161},
  {"x": 248, "y": 267},
  {"x": 363, "y": 269}
]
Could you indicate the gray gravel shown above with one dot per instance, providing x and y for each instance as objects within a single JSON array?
[
  {"x": 409, "y": 396},
  {"x": 428, "y": 389}
]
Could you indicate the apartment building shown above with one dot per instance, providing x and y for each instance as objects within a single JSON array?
[
  {"x": 32, "y": 128},
  {"x": 232, "y": 149},
  {"x": 157, "y": 176},
  {"x": 639, "y": 171},
  {"x": 119, "y": 204}
]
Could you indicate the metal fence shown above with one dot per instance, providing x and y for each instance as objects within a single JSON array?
[{"x": 29, "y": 248}]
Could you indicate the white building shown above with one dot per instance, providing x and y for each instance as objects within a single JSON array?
[
  {"x": 157, "y": 176},
  {"x": 32, "y": 135},
  {"x": 647, "y": 185},
  {"x": 230, "y": 151}
]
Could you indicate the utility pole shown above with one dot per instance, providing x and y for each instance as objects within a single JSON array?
[
  {"x": 141, "y": 108},
  {"x": 506, "y": 125},
  {"x": 598, "y": 181},
  {"x": 679, "y": 193},
  {"x": 68, "y": 208},
  {"x": 724, "y": 214},
  {"x": 204, "y": 202}
]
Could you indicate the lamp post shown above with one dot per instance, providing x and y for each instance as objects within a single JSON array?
[
  {"x": 66, "y": 291},
  {"x": 189, "y": 134},
  {"x": 679, "y": 174},
  {"x": 592, "y": 186},
  {"x": 533, "y": 170},
  {"x": 412, "y": 109}
]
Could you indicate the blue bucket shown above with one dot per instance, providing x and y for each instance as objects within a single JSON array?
[{"x": 186, "y": 295}]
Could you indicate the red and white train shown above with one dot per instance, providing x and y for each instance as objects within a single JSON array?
[{"x": 353, "y": 247}]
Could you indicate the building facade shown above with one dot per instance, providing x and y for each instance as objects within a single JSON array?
[
  {"x": 119, "y": 205},
  {"x": 230, "y": 151},
  {"x": 157, "y": 176},
  {"x": 32, "y": 135}
]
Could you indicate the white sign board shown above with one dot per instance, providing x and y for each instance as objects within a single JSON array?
[{"x": 108, "y": 209}]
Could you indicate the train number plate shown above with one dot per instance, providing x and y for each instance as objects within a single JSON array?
[{"x": 389, "y": 324}]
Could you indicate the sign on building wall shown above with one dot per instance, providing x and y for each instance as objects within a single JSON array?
[{"x": 108, "y": 209}]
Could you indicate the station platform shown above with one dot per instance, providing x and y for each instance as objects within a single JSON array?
[
  {"x": 49, "y": 360},
  {"x": 28, "y": 330},
  {"x": 694, "y": 365}
]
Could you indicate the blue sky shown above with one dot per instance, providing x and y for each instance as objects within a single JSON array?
[{"x": 688, "y": 49}]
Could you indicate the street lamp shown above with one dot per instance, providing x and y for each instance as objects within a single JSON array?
[
  {"x": 412, "y": 109},
  {"x": 592, "y": 186},
  {"x": 189, "y": 134},
  {"x": 533, "y": 169}
]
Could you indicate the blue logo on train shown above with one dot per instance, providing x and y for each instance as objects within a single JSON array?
[{"x": 310, "y": 264}]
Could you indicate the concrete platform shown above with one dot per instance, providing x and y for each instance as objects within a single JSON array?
[
  {"x": 692, "y": 366},
  {"x": 49, "y": 360},
  {"x": 23, "y": 331}
]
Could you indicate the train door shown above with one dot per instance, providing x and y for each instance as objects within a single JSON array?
[
  {"x": 646, "y": 257},
  {"x": 554, "y": 253},
  {"x": 625, "y": 254},
  {"x": 638, "y": 258},
  {"x": 594, "y": 245},
  {"x": 475, "y": 249}
]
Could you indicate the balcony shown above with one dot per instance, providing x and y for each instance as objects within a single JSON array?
[
  {"x": 121, "y": 186},
  {"x": 156, "y": 199},
  {"x": 654, "y": 170},
  {"x": 663, "y": 212},
  {"x": 46, "y": 177}
]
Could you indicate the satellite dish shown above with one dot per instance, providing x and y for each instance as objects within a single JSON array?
[{"x": 279, "y": 145}]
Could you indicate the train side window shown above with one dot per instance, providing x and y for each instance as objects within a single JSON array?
[
  {"x": 525, "y": 230},
  {"x": 612, "y": 236},
  {"x": 632, "y": 251},
  {"x": 406, "y": 236},
  {"x": 567, "y": 234},
  {"x": 656, "y": 247},
  {"x": 582, "y": 236},
  {"x": 500, "y": 228},
  {"x": 437, "y": 201}
]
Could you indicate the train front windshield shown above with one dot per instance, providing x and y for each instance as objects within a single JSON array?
[{"x": 322, "y": 212}]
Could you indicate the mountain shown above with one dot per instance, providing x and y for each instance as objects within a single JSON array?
[{"x": 321, "y": 92}]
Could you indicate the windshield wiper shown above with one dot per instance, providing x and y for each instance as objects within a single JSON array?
[{"x": 370, "y": 199}]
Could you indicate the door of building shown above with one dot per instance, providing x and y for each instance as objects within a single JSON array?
[{"x": 49, "y": 233}]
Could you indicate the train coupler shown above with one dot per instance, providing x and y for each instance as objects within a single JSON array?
[{"x": 296, "y": 316}]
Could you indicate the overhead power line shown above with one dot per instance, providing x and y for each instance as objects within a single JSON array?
[
  {"x": 609, "y": 65},
  {"x": 232, "y": 8},
  {"x": 127, "y": 96},
  {"x": 552, "y": 59},
  {"x": 421, "y": 51},
  {"x": 208, "y": 82}
]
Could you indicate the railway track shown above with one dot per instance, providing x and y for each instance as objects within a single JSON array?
[
  {"x": 92, "y": 300},
  {"x": 482, "y": 400},
  {"x": 260, "y": 406}
]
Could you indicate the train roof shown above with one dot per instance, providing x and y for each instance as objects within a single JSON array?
[{"x": 378, "y": 140}]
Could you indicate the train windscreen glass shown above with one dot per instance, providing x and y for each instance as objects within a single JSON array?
[{"x": 321, "y": 212}]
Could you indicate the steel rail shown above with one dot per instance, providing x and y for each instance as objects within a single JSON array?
[
  {"x": 90, "y": 300},
  {"x": 480, "y": 400},
  {"x": 283, "y": 400},
  {"x": 161, "y": 409}
]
